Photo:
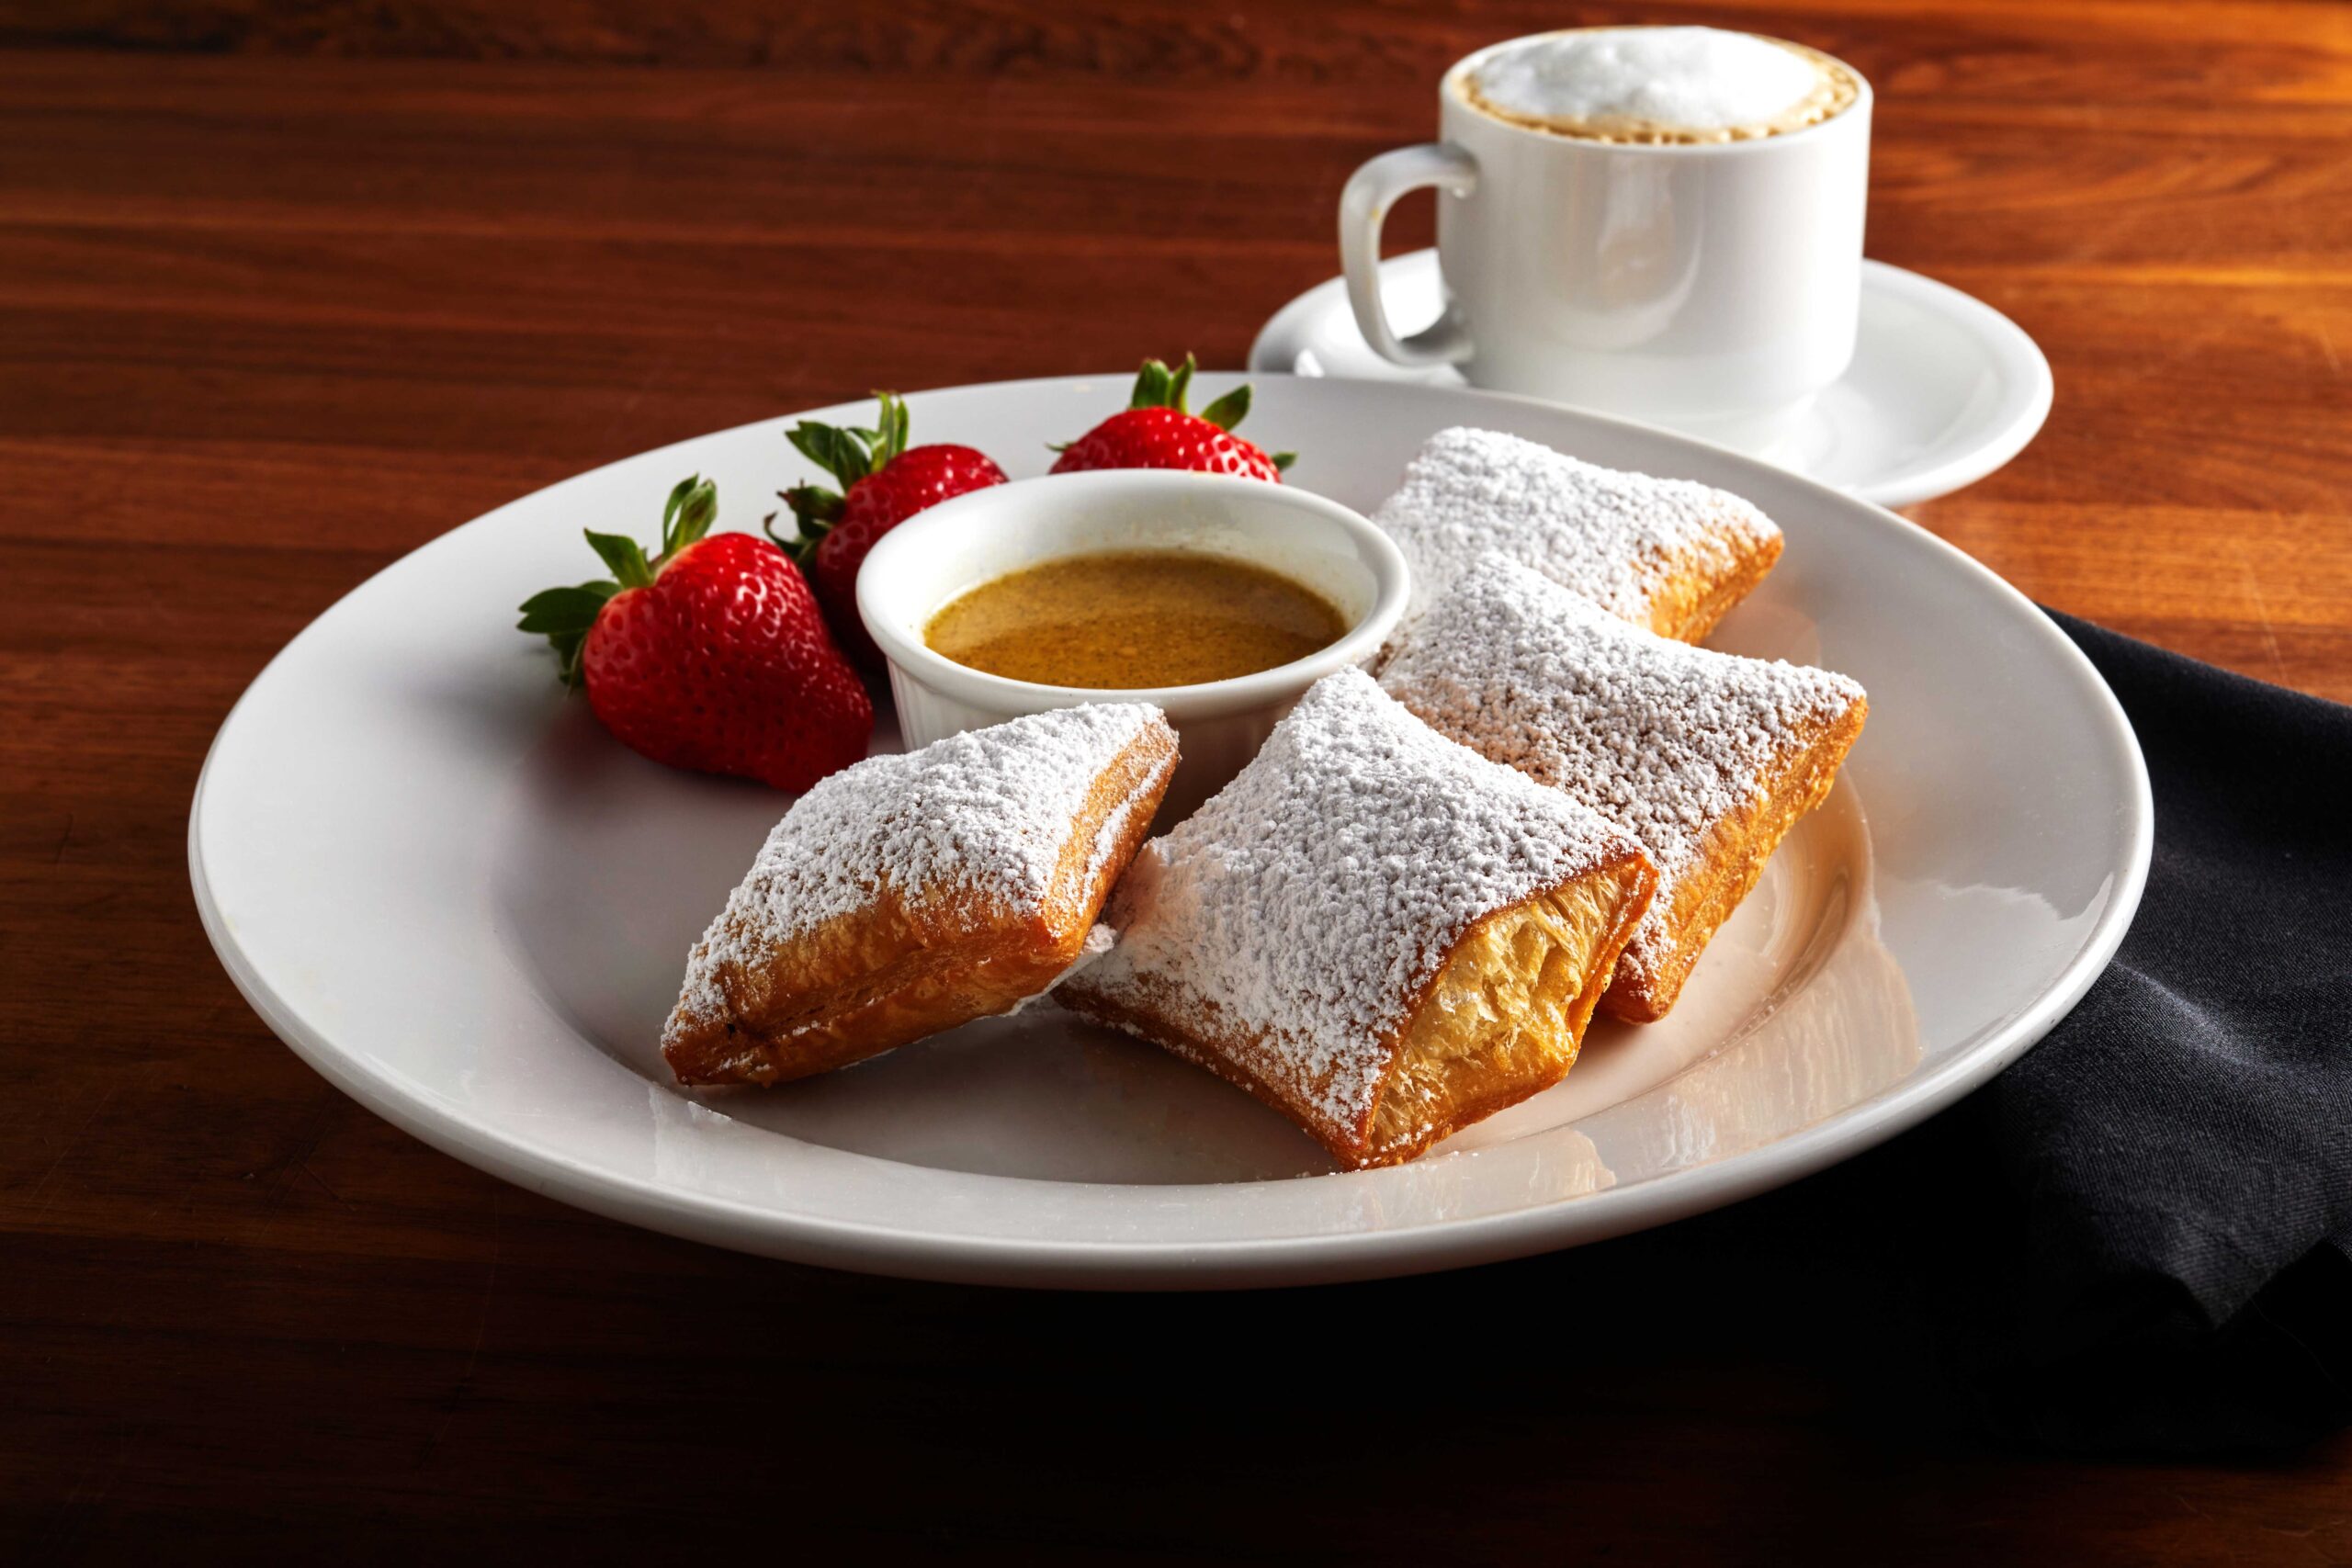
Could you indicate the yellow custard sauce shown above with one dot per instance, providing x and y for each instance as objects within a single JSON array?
[{"x": 1127, "y": 619}]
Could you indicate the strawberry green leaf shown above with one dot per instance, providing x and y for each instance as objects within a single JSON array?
[
  {"x": 693, "y": 507},
  {"x": 1180, "y": 384},
  {"x": 891, "y": 439},
  {"x": 1282, "y": 460},
  {"x": 844, "y": 454},
  {"x": 570, "y": 648},
  {"x": 796, "y": 545},
  {"x": 1229, "y": 409},
  {"x": 814, "y": 510},
  {"x": 1151, "y": 385},
  {"x": 622, "y": 555},
  {"x": 564, "y": 615},
  {"x": 678, "y": 494},
  {"x": 814, "y": 505},
  {"x": 559, "y": 610}
]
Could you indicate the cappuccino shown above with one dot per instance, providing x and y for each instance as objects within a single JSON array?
[{"x": 1659, "y": 85}]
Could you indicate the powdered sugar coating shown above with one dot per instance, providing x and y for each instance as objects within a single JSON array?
[
  {"x": 1609, "y": 535},
  {"x": 984, "y": 813},
  {"x": 1311, "y": 901},
  {"x": 1662, "y": 739},
  {"x": 1113, "y": 831}
]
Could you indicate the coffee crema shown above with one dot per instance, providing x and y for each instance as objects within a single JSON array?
[
  {"x": 1659, "y": 85},
  {"x": 1133, "y": 619}
]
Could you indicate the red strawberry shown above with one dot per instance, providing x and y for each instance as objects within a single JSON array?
[
  {"x": 711, "y": 655},
  {"x": 886, "y": 481},
  {"x": 1155, "y": 431}
]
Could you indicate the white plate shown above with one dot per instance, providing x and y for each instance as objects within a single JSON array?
[
  {"x": 441, "y": 883},
  {"x": 1943, "y": 388}
]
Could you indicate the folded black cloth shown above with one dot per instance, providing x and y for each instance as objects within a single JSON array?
[
  {"x": 2140, "y": 1236},
  {"x": 2180, "y": 1146}
]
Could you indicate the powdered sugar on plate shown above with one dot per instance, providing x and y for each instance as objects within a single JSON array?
[
  {"x": 1314, "y": 897},
  {"x": 1662, "y": 739},
  {"x": 1609, "y": 535},
  {"x": 986, "y": 812},
  {"x": 1100, "y": 939}
]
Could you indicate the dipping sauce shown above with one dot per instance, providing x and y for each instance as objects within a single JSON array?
[{"x": 1133, "y": 618}]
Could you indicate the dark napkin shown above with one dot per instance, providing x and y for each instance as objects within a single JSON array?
[
  {"x": 2137, "y": 1241},
  {"x": 2139, "y": 1238}
]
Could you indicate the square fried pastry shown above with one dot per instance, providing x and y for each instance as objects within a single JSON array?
[
  {"x": 1705, "y": 758},
  {"x": 908, "y": 893},
  {"x": 1374, "y": 930},
  {"x": 1670, "y": 556}
]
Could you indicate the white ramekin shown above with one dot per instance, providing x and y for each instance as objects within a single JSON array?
[{"x": 931, "y": 558}]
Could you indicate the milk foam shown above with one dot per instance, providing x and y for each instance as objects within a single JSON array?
[{"x": 1660, "y": 85}]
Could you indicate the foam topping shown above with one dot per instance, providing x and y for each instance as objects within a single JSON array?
[{"x": 1701, "y": 82}]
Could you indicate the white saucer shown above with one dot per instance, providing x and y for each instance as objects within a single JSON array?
[
  {"x": 1943, "y": 388},
  {"x": 465, "y": 904}
]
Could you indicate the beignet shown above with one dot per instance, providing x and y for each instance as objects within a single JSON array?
[
  {"x": 1373, "y": 930},
  {"x": 908, "y": 893},
  {"x": 1706, "y": 759},
  {"x": 1670, "y": 556}
]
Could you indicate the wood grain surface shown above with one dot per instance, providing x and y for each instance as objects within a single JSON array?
[{"x": 287, "y": 289}]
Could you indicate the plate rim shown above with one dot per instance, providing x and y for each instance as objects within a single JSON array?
[
  {"x": 2020, "y": 419},
  {"x": 1262, "y": 1261}
]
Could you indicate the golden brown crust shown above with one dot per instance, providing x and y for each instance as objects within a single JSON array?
[
  {"x": 1731, "y": 860},
  {"x": 898, "y": 969},
  {"x": 1543, "y": 964},
  {"x": 1688, "y": 606},
  {"x": 1544, "y": 967}
]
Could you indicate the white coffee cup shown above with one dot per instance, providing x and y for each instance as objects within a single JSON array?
[{"x": 1712, "y": 287}]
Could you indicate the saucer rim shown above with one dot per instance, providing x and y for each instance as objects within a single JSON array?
[{"x": 2031, "y": 388}]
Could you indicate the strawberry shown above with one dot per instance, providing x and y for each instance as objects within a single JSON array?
[
  {"x": 710, "y": 656},
  {"x": 1155, "y": 431},
  {"x": 883, "y": 481}
]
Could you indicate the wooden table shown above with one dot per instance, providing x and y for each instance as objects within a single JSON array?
[{"x": 286, "y": 291}]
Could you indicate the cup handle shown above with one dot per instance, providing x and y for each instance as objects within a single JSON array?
[{"x": 1364, "y": 208}]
